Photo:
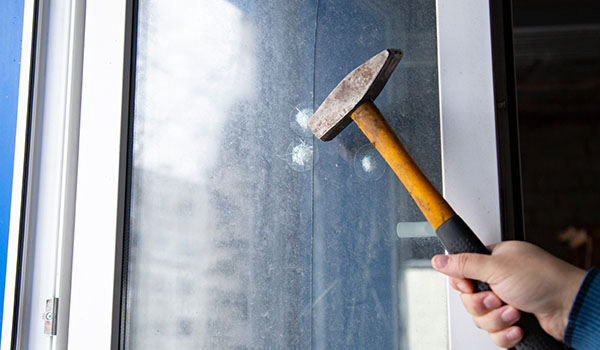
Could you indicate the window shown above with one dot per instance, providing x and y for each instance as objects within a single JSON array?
[
  {"x": 207, "y": 215},
  {"x": 280, "y": 240}
]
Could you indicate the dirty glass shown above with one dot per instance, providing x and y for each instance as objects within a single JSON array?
[{"x": 245, "y": 232}]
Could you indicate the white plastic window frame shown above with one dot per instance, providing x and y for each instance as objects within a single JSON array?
[
  {"x": 469, "y": 146},
  {"x": 470, "y": 173},
  {"x": 43, "y": 196}
]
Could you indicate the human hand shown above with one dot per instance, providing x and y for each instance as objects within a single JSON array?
[{"x": 521, "y": 277}]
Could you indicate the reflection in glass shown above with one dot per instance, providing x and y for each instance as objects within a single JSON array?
[{"x": 244, "y": 233}]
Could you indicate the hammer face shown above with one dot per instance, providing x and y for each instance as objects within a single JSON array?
[{"x": 363, "y": 83}]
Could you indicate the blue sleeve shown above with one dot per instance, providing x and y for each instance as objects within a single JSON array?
[{"x": 583, "y": 329}]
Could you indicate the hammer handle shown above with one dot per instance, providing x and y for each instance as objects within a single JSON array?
[
  {"x": 454, "y": 233},
  {"x": 370, "y": 120},
  {"x": 457, "y": 237}
]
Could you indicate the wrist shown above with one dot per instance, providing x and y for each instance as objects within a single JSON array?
[
  {"x": 570, "y": 294},
  {"x": 554, "y": 320}
]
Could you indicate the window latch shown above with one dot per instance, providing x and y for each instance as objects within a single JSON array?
[{"x": 49, "y": 316}]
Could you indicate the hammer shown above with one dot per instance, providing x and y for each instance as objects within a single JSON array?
[{"x": 352, "y": 100}]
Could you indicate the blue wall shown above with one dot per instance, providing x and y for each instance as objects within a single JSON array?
[{"x": 11, "y": 28}]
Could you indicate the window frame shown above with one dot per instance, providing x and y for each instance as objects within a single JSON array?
[
  {"x": 468, "y": 117},
  {"x": 43, "y": 191},
  {"x": 471, "y": 179}
]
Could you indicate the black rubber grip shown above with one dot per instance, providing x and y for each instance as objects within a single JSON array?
[{"x": 457, "y": 237}]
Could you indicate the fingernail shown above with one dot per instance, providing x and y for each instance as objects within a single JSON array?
[
  {"x": 514, "y": 334},
  {"x": 439, "y": 261},
  {"x": 510, "y": 315},
  {"x": 491, "y": 302}
]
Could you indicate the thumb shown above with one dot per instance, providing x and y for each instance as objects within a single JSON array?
[{"x": 466, "y": 265}]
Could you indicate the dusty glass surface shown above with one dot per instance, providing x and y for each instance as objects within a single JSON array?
[
  {"x": 358, "y": 258},
  {"x": 246, "y": 233}
]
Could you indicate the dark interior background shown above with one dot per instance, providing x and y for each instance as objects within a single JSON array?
[{"x": 557, "y": 59}]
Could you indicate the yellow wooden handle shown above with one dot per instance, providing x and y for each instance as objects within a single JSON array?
[{"x": 378, "y": 131}]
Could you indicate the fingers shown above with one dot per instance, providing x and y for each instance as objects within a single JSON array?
[
  {"x": 465, "y": 265},
  {"x": 507, "y": 338},
  {"x": 487, "y": 309},
  {"x": 490, "y": 315},
  {"x": 498, "y": 319},
  {"x": 462, "y": 285},
  {"x": 482, "y": 303}
]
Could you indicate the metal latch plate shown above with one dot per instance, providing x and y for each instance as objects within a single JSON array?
[{"x": 50, "y": 316}]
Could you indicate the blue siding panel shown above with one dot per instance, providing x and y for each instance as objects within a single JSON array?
[{"x": 11, "y": 29}]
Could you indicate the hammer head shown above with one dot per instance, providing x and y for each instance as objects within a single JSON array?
[{"x": 362, "y": 84}]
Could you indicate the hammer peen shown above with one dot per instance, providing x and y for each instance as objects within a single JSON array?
[{"x": 352, "y": 100}]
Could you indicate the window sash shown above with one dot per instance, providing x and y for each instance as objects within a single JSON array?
[{"x": 470, "y": 174}]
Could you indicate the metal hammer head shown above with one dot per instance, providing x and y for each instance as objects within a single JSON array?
[{"x": 362, "y": 84}]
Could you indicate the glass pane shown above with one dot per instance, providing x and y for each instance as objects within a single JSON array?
[
  {"x": 359, "y": 260},
  {"x": 244, "y": 231}
]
